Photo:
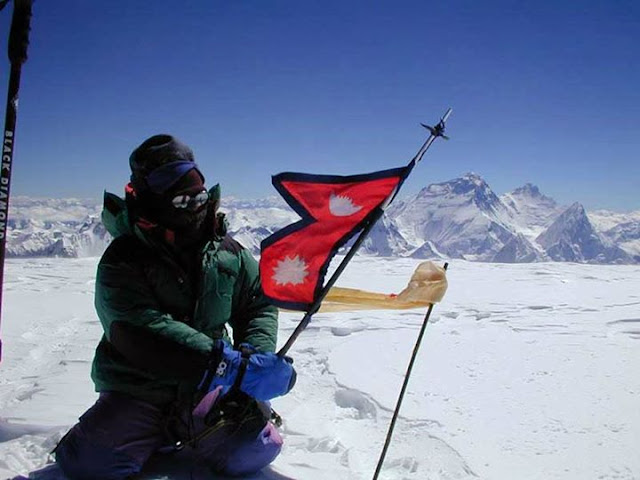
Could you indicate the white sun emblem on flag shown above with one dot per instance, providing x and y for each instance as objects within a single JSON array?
[
  {"x": 342, "y": 206},
  {"x": 290, "y": 270}
]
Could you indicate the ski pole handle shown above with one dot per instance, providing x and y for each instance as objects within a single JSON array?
[{"x": 19, "y": 35}]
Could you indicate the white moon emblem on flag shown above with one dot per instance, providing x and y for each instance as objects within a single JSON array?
[
  {"x": 342, "y": 206},
  {"x": 291, "y": 270}
]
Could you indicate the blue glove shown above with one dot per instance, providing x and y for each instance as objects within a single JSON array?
[{"x": 263, "y": 376}]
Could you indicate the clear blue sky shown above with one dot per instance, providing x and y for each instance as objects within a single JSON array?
[{"x": 546, "y": 92}]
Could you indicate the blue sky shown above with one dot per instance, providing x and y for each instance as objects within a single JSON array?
[{"x": 545, "y": 92}]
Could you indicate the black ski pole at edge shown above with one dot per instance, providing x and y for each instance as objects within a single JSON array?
[
  {"x": 18, "y": 42},
  {"x": 437, "y": 131},
  {"x": 396, "y": 412}
]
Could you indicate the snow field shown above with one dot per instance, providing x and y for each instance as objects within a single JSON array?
[{"x": 525, "y": 371}]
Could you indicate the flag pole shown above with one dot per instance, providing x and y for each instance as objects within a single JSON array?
[
  {"x": 18, "y": 42},
  {"x": 403, "y": 389},
  {"x": 325, "y": 290},
  {"x": 435, "y": 132}
]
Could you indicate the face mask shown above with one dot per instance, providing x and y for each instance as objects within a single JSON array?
[
  {"x": 182, "y": 220},
  {"x": 191, "y": 232}
]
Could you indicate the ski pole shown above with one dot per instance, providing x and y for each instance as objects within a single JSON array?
[
  {"x": 403, "y": 389},
  {"x": 18, "y": 42},
  {"x": 437, "y": 131}
]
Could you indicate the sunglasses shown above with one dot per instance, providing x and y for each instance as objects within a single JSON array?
[{"x": 192, "y": 202}]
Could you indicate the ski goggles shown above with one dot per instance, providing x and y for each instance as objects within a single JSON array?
[
  {"x": 164, "y": 177},
  {"x": 192, "y": 202}
]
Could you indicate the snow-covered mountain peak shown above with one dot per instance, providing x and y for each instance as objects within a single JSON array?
[
  {"x": 529, "y": 190},
  {"x": 469, "y": 182},
  {"x": 461, "y": 217},
  {"x": 529, "y": 193},
  {"x": 575, "y": 209},
  {"x": 573, "y": 221},
  {"x": 473, "y": 177},
  {"x": 531, "y": 211},
  {"x": 478, "y": 194},
  {"x": 470, "y": 188},
  {"x": 572, "y": 237}
]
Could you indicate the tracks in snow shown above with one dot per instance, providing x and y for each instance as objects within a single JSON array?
[{"x": 348, "y": 425}]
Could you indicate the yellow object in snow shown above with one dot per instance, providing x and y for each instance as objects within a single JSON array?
[{"x": 428, "y": 285}]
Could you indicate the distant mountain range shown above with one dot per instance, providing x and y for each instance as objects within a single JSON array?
[{"x": 462, "y": 218}]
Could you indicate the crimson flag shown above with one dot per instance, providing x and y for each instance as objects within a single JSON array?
[{"x": 333, "y": 208}]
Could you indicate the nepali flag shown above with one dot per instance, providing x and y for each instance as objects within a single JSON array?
[{"x": 294, "y": 260}]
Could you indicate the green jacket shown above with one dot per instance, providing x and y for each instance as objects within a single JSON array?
[{"x": 159, "y": 321}]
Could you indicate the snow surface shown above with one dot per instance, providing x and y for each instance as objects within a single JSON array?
[{"x": 527, "y": 371}]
